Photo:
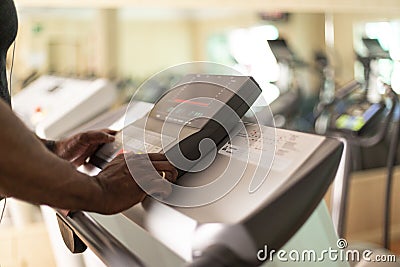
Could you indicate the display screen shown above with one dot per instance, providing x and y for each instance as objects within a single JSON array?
[
  {"x": 357, "y": 117},
  {"x": 191, "y": 104}
]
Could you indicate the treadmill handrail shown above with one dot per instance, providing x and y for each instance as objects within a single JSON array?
[
  {"x": 103, "y": 244},
  {"x": 344, "y": 91}
]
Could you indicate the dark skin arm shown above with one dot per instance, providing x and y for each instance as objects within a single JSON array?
[
  {"x": 79, "y": 147},
  {"x": 30, "y": 172}
]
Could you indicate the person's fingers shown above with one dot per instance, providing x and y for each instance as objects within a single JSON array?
[
  {"x": 120, "y": 159},
  {"x": 161, "y": 160},
  {"x": 174, "y": 173},
  {"x": 157, "y": 157},
  {"x": 81, "y": 159},
  {"x": 63, "y": 212},
  {"x": 171, "y": 177},
  {"x": 159, "y": 188},
  {"x": 150, "y": 162},
  {"x": 109, "y": 131},
  {"x": 163, "y": 166},
  {"x": 95, "y": 137}
]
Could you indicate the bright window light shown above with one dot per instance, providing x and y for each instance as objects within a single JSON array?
[
  {"x": 388, "y": 35},
  {"x": 250, "y": 49},
  {"x": 381, "y": 31}
]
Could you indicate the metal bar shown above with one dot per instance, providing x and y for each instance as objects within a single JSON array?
[
  {"x": 340, "y": 190},
  {"x": 101, "y": 242}
]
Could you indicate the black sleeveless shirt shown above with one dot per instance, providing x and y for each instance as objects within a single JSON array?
[{"x": 8, "y": 32}]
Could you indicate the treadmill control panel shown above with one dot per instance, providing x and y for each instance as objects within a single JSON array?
[
  {"x": 136, "y": 143},
  {"x": 191, "y": 103},
  {"x": 199, "y": 107}
]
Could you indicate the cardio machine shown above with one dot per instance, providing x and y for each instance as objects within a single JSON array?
[
  {"x": 361, "y": 114},
  {"x": 287, "y": 105},
  {"x": 231, "y": 230}
]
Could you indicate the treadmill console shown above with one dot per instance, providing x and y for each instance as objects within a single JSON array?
[
  {"x": 355, "y": 118},
  {"x": 192, "y": 119},
  {"x": 239, "y": 221},
  {"x": 53, "y": 105}
]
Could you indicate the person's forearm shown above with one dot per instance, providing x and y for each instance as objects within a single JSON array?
[
  {"x": 49, "y": 144},
  {"x": 30, "y": 172}
]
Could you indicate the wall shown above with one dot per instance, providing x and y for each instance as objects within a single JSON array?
[
  {"x": 365, "y": 212},
  {"x": 304, "y": 34},
  {"x": 249, "y": 5},
  {"x": 147, "y": 41},
  {"x": 147, "y": 46},
  {"x": 50, "y": 41},
  {"x": 25, "y": 247}
]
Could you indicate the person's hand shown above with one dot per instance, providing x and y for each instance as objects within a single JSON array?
[
  {"x": 79, "y": 147},
  {"x": 120, "y": 190}
]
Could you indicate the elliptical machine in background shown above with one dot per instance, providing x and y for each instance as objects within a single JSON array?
[
  {"x": 327, "y": 82},
  {"x": 372, "y": 79},
  {"x": 370, "y": 63},
  {"x": 287, "y": 105},
  {"x": 361, "y": 114}
]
